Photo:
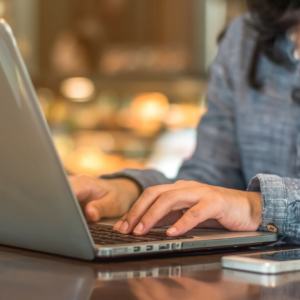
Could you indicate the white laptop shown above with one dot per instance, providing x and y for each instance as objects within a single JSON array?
[{"x": 38, "y": 210}]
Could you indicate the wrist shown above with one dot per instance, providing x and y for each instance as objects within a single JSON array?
[
  {"x": 128, "y": 187},
  {"x": 256, "y": 207}
]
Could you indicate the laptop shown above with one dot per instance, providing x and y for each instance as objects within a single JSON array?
[{"x": 38, "y": 209}]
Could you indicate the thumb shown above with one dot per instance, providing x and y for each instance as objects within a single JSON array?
[{"x": 98, "y": 209}]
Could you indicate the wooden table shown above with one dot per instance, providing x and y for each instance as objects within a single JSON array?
[{"x": 30, "y": 275}]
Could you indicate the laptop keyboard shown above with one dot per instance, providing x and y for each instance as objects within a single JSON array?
[{"x": 103, "y": 235}]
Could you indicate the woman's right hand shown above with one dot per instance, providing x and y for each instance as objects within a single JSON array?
[{"x": 101, "y": 198}]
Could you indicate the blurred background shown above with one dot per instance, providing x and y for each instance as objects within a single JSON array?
[{"x": 121, "y": 82}]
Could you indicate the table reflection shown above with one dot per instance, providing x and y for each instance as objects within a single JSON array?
[
  {"x": 198, "y": 281},
  {"x": 24, "y": 277},
  {"x": 188, "y": 288},
  {"x": 191, "y": 281},
  {"x": 27, "y": 275},
  {"x": 280, "y": 286}
]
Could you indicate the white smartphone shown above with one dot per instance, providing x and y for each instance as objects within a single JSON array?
[
  {"x": 265, "y": 280},
  {"x": 264, "y": 263}
]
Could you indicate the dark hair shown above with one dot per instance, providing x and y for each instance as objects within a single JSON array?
[{"x": 271, "y": 19}]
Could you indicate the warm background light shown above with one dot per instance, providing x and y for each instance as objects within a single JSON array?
[
  {"x": 118, "y": 87},
  {"x": 78, "y": 89},
  {"x": 2, "y": 8},
  {"x": 150, "y": 106}
]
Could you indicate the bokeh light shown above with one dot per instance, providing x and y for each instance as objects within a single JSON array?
[
  {"x": 78, "y": 89},
  {"x": 150, "y": 106},
  {"x": 2, "y": 8}
]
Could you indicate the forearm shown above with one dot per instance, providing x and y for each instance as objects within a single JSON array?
[{"x": 143, "y": 178}]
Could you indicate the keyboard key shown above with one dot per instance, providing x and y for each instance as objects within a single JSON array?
[{"x": 107, "y": 236}]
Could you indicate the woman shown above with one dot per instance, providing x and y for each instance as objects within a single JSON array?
[{"x": 249, "y": 137}]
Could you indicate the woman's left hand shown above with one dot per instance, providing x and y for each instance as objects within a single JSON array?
[{"x": 203, "y": 204}]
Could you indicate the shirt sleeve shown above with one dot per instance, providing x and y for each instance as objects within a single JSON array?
[
  {"x": 281, "y": 204},
  {"x": 216, "y": 160}
]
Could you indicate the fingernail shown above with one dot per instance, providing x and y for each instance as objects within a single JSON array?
[
  {"x": 139, "y": 228},
  {"x": 118, "y": 225},
  {"x": 124, "y": 227},
  {"x": 172, "y": 230},
  {"x": 92, "y": 213}
]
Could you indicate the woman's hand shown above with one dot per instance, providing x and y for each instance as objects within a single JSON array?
[
  {"x": 204, "y": 204},
  {"x": 101, "y": 198}
]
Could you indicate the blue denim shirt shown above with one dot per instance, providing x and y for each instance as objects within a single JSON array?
[{"x": 248, "y": 138}]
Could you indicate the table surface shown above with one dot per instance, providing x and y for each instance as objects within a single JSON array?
[{"x": 32, "y": 275}]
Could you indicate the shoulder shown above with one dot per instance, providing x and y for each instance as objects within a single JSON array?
[
  {"x": 239, "y": 40},
  {"x": 236, "y": 49},
  {"x": 240, "y": 30}
]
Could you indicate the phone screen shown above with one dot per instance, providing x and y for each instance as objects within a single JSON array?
[{"x": 277, "y": 255}]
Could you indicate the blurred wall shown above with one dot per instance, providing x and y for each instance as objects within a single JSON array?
[{"x": 25, "y": 24}]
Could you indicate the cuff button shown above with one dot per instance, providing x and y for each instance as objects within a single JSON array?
[{"x": 272, "y": 228}]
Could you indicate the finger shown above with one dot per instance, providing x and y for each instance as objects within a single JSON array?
[
  {"x": 148, "y": 197},
  {"x": 98, "y": 209},
  {"x": 170, "y": 219},
  {"x": 169, "y": 201},
  {"x": 119, "y": 223},
  {"x": 199, "y": 213}
]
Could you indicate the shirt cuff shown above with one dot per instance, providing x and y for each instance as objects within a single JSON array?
[
  {"x": 273, "y": 192},
  {"x": 144, "y": 178}
]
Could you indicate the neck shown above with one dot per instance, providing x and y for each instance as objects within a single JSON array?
[{"x": 297, "y": 38}]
